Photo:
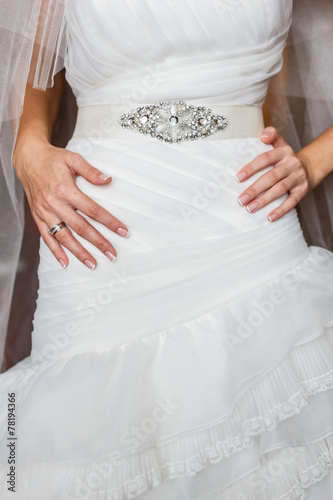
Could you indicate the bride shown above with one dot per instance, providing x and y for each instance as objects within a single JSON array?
[{"x": 196, "y": 360}]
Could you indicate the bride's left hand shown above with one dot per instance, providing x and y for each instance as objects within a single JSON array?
[{"x": 289, "y": 175}]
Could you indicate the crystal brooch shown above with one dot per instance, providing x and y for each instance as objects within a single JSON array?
[{"x": 173, "y": 121}]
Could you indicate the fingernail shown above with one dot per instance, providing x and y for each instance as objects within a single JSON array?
[
  {"x": 252, "y": 207},
  {"x": 90, "y": 264},
  {"x": 272, "y": 217},
  {"x": 264, "y": 136},
  {"x": 240, "y": 177},
  {"x": 104, "y": 177},
  {"x": 243, "y": 200},
  {"x": 63, "y": 264},
  {"x": 110, "y": 256},
  {"x": 122, "y": 232}
]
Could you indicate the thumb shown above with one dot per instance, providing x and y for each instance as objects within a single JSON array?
[
  {"x": 271, "y": 136},
  {"x": 80, "y": 166}
]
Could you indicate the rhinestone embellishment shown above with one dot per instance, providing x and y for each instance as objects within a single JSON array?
[{"x": 173, "y": 121}]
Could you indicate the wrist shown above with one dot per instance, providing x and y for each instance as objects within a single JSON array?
[
  {"x": 27, "y": 148},
  {"x": 313, "y": 175}
]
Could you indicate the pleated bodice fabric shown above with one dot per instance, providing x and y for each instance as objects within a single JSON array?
[{"x": 215, "y": 50}]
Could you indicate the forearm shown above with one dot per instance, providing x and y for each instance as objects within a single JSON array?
[
  {"x": 40, "y": 112},
  {"x": 318, "y": 157}
]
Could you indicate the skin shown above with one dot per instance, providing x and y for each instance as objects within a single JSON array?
[
  {"x": 48, "y": 175},
  {"x": 294, "y": 173}
]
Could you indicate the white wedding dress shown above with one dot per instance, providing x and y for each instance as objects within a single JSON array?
[{"x": 199, "y": 365}]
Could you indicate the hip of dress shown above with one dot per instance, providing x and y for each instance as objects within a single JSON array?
[{"x": 191, "y": 245}]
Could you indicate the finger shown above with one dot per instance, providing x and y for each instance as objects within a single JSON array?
[
  {"x": 87, "y": 206},
  {"x": 81, "y": 167},
  {"x": 290, "y": 203},
  {"x": 84, "y": 229},
  {"x": 275, "y": 192},
  {"x": 53, "y": 244},
  {"x": 66, "y": 239},
  {"x": 266, "y": 159},
  {"x": 271, "y": 136},
  {"x": 266, "y": 181}
]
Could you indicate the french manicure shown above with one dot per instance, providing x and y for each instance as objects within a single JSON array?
[
  {"x": 240, "y": 177},
  {"x": 122, "y": 232},
  {"x": 243, "y": 200},
  {"x": 252, "y": 207},
  {"x": 110, "y": 256},
  {"x": 62, "y": 263},
  {"x": 264, "y": 136},
  {"x": 272, "y": 217},
  {"x": 90, "y": 264},
  {"x": 104, "y": 177}
]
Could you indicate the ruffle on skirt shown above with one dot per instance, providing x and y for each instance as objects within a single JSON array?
[
  {"x": 286, "y": 474},
  {"x": 202, "y": 410}
]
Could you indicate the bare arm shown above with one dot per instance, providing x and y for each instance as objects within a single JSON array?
[
  {"x": 48, "y": 176},
  {"x": 40, "y": 113},
  {"x": 318, "y": 157}
]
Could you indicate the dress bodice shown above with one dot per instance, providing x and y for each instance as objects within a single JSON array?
[{"x": 210, "y": 50}]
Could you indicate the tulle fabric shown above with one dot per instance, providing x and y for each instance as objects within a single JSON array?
[
  {"x": 306, "y": 109},
  {"x": 33, "y": 46},
  {"x": 308, "y": 71}
]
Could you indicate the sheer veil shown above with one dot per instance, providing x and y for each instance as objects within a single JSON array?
[
  {"x": 33, "y": 45},
  {"x": 33, "y": 40},
  {"x": 301, "y": 104}
]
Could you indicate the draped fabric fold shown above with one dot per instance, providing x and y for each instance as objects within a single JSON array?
[
  {"x": 34, "y": 47},
  {"x": 204, "y": 352},
  {"x": 212, "y": 333}
]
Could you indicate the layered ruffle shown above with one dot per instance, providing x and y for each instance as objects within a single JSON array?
[
  {"x": 201, "y": 410},
  {"x": 251, "y": 453}
]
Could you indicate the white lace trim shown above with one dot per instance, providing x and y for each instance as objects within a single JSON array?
[
  {"x": 235, "y": 444},
  {"x": 309, "y": 477},
  {"x": 224, "y": 449},
  {"x": 319, "y": 384},
  {"x": 213, "y": 444}
]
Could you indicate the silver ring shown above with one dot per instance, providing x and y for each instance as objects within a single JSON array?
[{"x": 54, "y": 229}]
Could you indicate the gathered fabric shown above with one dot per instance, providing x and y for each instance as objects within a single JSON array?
[{"x": 199, "y": 364}]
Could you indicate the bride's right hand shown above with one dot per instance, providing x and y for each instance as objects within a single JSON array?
[{"x": 48, "y": 175}]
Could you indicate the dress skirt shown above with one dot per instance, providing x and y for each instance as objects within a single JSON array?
[{"x": 199, "y": 364}]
